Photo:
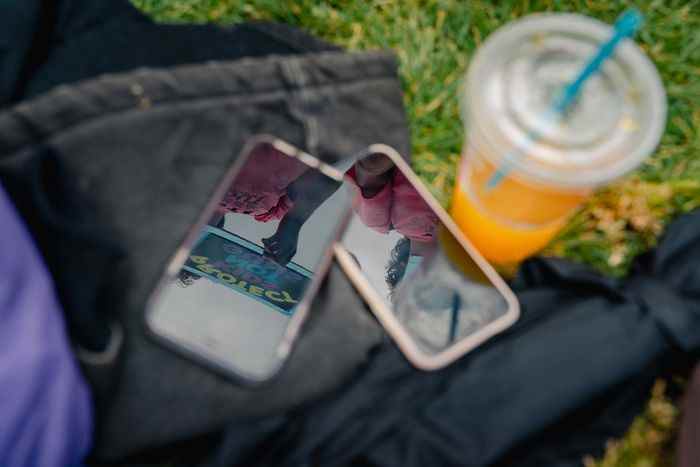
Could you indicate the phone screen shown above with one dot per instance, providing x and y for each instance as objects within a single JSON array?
[
  {"x": 251, "y": 269},
  {"x": 437, "y": 293}
]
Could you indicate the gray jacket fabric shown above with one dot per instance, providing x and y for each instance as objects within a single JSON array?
[{"x": 111, "y": 173}]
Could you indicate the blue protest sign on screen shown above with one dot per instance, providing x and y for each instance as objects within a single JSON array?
[{"x": 239, "y": 264}]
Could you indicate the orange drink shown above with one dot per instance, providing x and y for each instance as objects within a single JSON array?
[
  {"x": 514, "y": 219},
  {"x": 546, "y": 171}
]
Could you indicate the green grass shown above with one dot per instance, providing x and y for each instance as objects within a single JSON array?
[{"x": 434, "y": 40}]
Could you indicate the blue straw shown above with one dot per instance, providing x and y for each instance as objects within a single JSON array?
[
  {"x": 454, "y": 317},
  {"x": 626, "y": 26}
]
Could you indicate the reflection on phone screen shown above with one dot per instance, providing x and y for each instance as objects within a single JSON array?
[
  {"x": 252, "y": 265},
  {"x": 416, "y": 266}
]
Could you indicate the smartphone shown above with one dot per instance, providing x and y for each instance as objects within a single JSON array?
[
  {"x": 432, "y": 291},
  {"x": 235, "y": 295}
]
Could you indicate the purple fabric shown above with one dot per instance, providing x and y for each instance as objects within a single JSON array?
[{"x": 45, "y": 406}]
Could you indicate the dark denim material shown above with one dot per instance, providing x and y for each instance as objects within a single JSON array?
[{"x": 111, "y": 174}]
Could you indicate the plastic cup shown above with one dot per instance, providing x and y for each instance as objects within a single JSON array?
[{"x": 614, "y": 125}]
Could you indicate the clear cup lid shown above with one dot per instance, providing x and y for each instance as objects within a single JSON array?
[{"x": 616, "y": 122}]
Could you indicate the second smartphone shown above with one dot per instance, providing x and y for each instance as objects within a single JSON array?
[{"x": 430, "y": 288}]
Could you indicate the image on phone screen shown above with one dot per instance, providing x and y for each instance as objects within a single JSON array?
[
  {"x": 237, "y": 300},
  {"x": 433, "y": 292}
]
